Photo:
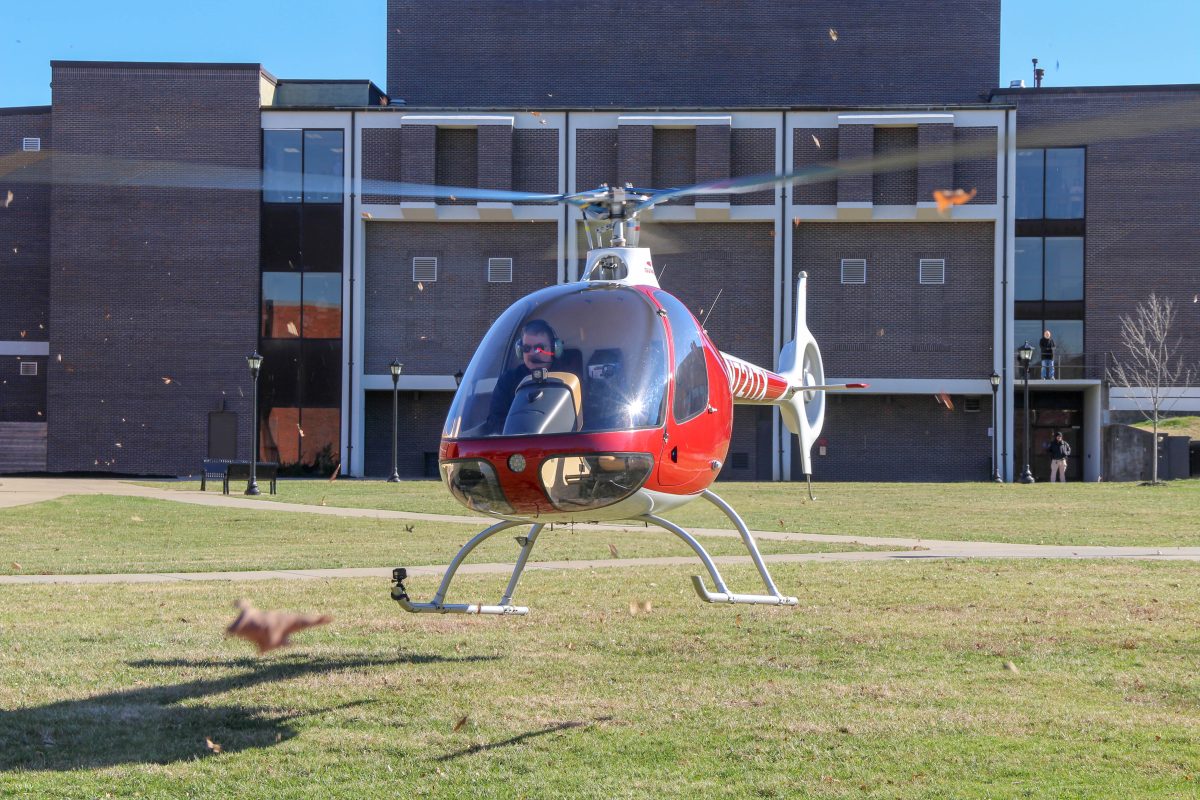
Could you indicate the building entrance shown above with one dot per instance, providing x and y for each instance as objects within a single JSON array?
[{"x": 1050, "y": 413}]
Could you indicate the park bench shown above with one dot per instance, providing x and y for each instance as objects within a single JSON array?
[{"x": 228, "y": 470}]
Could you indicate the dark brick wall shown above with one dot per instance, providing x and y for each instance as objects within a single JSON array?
[
  {"x": 597, "y": 154},
  {"x": 456, "y": 161},
  {"x": 1143, "y": 222},
  {"x": 896, "y": 187},
  {"x": 813, "y": 147},
  {"x": 975, "y": 168},
  {"x": 25, "y": 228},
  {"x": 935, "y": 170},
  {"x": 22, "y": 397},
  {"x": 420, "y": 416},
  {"x": 522, "y": 159},
  {"x": 673, "y": 163},
  {"x": 856, "y": 145},
  {"x": 535, "y": 160},
  {"x": 752, "y": 152},
  {"x": 894, "y": 327},
  {"x": 435, "y": 329},
  {"x": 767, "y": 52},
  {"x": 901, "y": 438},
  {"x": 151, "y": 284}
]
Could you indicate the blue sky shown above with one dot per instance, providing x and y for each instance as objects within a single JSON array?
[{"x": 1079, "y": 42}]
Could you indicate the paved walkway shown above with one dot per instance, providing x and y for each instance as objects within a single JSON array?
[{"x": 22, "y": 491}]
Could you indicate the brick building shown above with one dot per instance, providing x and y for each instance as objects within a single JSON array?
[{"x": 168, "y": 219}]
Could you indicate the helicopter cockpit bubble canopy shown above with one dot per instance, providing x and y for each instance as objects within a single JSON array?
[{"x": 575, "y": 358}]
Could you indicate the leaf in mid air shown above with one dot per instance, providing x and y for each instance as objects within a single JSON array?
[{"x": 269, "y": 630}]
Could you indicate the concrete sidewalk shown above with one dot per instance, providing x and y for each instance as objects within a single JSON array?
[{"x": 22, "y": 491}]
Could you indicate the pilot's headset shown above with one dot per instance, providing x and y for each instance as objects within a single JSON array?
[{"x": 536, "y": 326}]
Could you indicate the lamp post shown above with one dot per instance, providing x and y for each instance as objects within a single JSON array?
[
  {"x": 1025, "y": 355},
  {"x": 458, "y": 376},
  {"x": 396, "y": 368},
  {"x": 995, "y": 381},
  {"x": 254, "y": 361}
]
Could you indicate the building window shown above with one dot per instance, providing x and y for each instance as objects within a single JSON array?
[
  {"x": 1051, "y": 183},
  {"x": 932, "y": 270},
  {"x": 31, "y": 144},
  {"x": 301, "y": 305},
  {"x": 28, "y": 369},
  {"x": 425, "y": 269},
  {"x": 302, "y": 166},
  {"x": 499, "y": 270},
  {"x": 854, "y": 270},
  {"x": 1049, "y": 268}
]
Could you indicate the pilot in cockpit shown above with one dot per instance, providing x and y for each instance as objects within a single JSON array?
[{"x": 539, "y": 349}]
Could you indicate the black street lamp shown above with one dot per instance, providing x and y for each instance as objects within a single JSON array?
[
  {"x": 254, "y": 361},
  {"x": 458, "y": 376},
  {"x": 995, "y": 381},
  {"x": 396, "y": 368},
  {"x": 1025, "y": 355}
]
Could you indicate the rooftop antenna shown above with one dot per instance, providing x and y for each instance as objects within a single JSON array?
[{"x": 1038, "y": 74}]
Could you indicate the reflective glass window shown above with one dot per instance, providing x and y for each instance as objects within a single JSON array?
[
  {"x": 282, "y": 162},
  {"x": 323, "y": 166},
  {"x": 322, "y": 315},
  {"x": 691, "y": 371},
  {"x": 320, "y": 432},
  {"x": 603, "y": 349},
  {"x": 322, "y": 237},
  {"x": 1027, "y": 330},
  {"x": 1068, "y": 336},
  {"x": 321, "y": 374},
  {"x": 280, "y": 305},
  {"x": 1028, "y": 253},
  {"x": 1030, "y": 183},
  {"x": 1064, "y": 268},
  {"x": 1064, "y": 183},
  {"x": 280, "y": 236},
  {"x": 279, "y": 380}
]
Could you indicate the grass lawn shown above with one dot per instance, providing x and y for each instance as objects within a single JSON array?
[
  {"x": 1176, "y": 426},
  {"x": 889, "y": 681},
  {"x": 1076, "y": 513},
  {"x": 85, "y": 534}
]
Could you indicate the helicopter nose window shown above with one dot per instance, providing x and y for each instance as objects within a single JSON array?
[{"x": 567, "y": 359}]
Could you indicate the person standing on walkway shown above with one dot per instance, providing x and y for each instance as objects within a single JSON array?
[
  {"x": 1047, "y": 345},
  {"x": 1059, "y": 450}
]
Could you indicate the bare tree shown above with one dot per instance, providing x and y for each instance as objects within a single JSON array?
[{"x": 1151, "y": 367}]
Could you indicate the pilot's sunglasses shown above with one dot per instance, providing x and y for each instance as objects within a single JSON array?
[{"x": 533, "y": 348}]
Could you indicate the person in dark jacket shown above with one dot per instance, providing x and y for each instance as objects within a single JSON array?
[
  {"x": 1059, "y": 450},
  {"x": 1047, "y": 345}
]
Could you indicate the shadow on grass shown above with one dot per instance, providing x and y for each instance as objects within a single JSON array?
[
  {"x": 166, "y": 723},
  {"x": 481, "y": 748}
]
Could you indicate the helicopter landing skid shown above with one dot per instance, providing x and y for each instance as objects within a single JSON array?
[
  {"x": 438, "y": 605},
  {"x": 723, "y": 595}
]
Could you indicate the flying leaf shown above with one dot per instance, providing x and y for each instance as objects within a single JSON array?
[
  {"x": 301, "y": 430},
  {"x": 291, "y": 328},
  {"x": 640, "y": 607},
  {"x": 269, "y": 630},
  {"x": 16, "y": 566},
  {"x": 8, "y": 199},
  {"x": 136, "y": 518},
  {"x": 833, "y": 34},
  {"x": 1011, "y": 667},
  {"x": 738, "y": 620},
  {"x": 945, "y": 400},
  {"x": 535, "y": 113},
  {"x": 211, "y": 745},
  {"x": 951, "y": 197},
  {"x": 420, "y": 286},
  {"x": 336, "y": 470},
  {"x": 816, "y": 141},
  {"x": 408, "y": 528},
  {"x": 366, "y": 214},
  {"x": 612, "y": 550},
  {"x": 22, "y": 334},
  {"x": 458, "y": 726},
  {"x": 796, "y": 222},
  {"x": 167, "y": 381}
]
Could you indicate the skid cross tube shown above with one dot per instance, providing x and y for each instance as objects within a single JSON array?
[{"x": 438, "y": 605}]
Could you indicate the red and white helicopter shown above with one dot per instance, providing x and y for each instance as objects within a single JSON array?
[{"x": 606, "y": 400}]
